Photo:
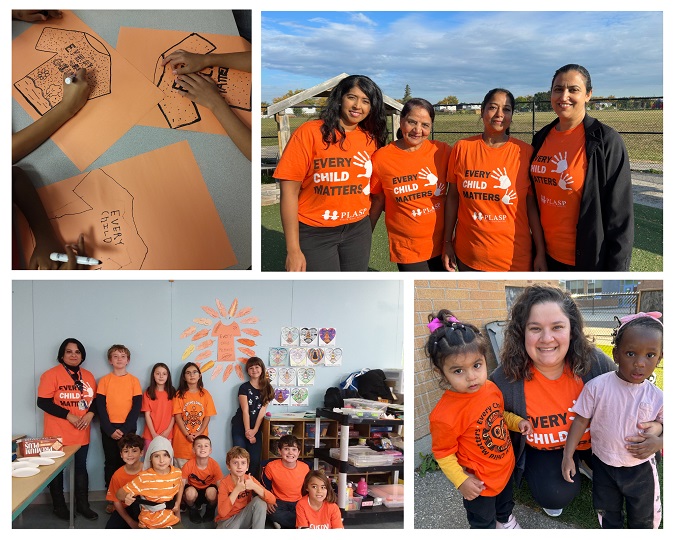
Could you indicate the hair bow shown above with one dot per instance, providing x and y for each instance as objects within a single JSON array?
[
  {"x": 435, "y": 324},
  {"x": 652, "y": 314}
]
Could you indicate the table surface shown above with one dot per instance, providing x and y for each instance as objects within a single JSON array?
[
  {"x": 24, "y": 490},
  {"x": 226, "y": 172}
]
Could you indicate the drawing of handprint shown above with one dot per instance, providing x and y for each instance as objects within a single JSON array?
[
  {"x": 426, "y": 174},
  {"x": 565, "y": 180},
  {"x": 440, "y": 189},
  {"x": 362, "y": 159},
  {"x": 508, "y": 197},
  {"x": 560, "y": 162},
  {"x": 502, "y": 177}
]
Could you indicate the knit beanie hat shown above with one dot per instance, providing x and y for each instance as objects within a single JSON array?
[{"x": 157, "y": 444}]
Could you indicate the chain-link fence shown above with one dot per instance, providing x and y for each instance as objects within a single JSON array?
[
  {"x": 599, "y": 312},
  {"x": 638, "y": 120}
]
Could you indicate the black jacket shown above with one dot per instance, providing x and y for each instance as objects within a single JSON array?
[{"x": 605, "y": 228}]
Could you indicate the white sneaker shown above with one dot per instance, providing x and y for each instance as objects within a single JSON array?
[
  {"x": 553, "y": 512},
  {"x": 276, "y": 525},
  {"x": 510, "y": 524},
  {"x": 585, "y": 470}
]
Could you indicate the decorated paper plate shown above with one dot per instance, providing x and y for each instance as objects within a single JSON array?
[
  {"x": 22, "y": 472},
  {"x": 52, "y": 453},
  {"x": 38, "y": 460}
]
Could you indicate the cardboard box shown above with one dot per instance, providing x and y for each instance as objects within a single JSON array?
[{"x": 33, "y": 446}]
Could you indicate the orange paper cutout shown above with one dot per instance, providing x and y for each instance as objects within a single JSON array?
[
  {"x": 149, "y": 212},
  {"x": 145, "y": 48},
  {"x": 120, "y": 94}
]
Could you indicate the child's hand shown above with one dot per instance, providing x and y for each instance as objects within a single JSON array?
[
  {"x": 129, "y": 499},
  {"x": 471, "y": 488},
  {"x": 568, "y": 468},
  {"x": 176, "y": 510},
  {"x": 249, "y": 483},
  {"x": 271, "y": 508},
  {"x": 189, "y": 62},
  {"x": 525, "y": 427},
  {"x": 199, "y": 88},
  {"x": 36, "y": 15},
  {"x": 76, "y": 93}
]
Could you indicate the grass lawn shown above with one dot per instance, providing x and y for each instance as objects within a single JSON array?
[{"x": 647, "y": 251}]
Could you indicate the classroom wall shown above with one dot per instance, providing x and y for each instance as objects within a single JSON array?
[{"x": 150, "y": 316}]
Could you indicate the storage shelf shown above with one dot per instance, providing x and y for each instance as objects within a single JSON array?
[{"x": 324, "y": 455}]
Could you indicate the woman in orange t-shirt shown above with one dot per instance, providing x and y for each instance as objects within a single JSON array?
[
  {"x": 324, "y": 176},
  {"x": 66, "y": 394},
  {"x": 405, "y": 184},
  {"x": 490, "y": 206}
]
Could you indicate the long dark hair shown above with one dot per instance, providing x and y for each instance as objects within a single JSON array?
[
  {"x": 266, "y": 390},
  {"x": 168, "y": 385},
  {"x": 183, "y": 385},
  {"x": 374, "y": 125},
  {"x": 516, "y": 363}
]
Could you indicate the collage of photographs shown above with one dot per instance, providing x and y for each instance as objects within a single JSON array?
[{"x": 471, "y": 203}]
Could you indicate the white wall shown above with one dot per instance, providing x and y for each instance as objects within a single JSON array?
[{"x": 149, "y": 317}]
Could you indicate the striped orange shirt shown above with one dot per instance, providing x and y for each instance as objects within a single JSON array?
[{"x": 158, "y": 488}]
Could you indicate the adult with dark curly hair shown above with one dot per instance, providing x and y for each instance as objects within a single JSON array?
[
  {"x": 66, "y": 394},
  {"x": 324, "y": 176},
  {"x": 546, "y": 359}
]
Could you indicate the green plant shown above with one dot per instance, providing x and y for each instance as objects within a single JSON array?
[{"x": 429, "y": 464}]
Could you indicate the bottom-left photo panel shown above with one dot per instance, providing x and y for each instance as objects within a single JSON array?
[{"x": 252, "y": 404}]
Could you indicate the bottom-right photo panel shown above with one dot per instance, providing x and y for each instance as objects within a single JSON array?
[{"x": 538, "y": 404}]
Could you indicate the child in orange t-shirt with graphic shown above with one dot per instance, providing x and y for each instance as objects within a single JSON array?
[
  {"x": 118, "y": 403},
  {"x": 469, "y": 433},
  {"x": 318, "y": 508},
  {"x": 201, "y": 477},
  {"x": 131, "y": 450},
  {"x": 193, "y": 408},
  {"x": 158, "y": 404}
]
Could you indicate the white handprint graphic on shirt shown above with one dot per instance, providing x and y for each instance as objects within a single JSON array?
[
  {"x": 508, "y": 197},
  {"x": 502, "y": 177},
  {"x": 560, "y": 162},
  {"x": 426, "y": 174},
  {"x": 440, "y": 189},
  {"x": 565, "y": 180},
  {"x": 363, "y": 160}
]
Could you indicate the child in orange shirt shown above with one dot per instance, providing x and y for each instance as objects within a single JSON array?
[
  {"x": 192, "y": 408},
  {"x": 318, "y": 508},
  {"x": 237, "y": 507},
  {"x": 285, "y": 476},
  {"x": 118, "y": 403},
  {"x": 201, "y": 477},
  {"x": 157, "y": 404},
  {"x": 131, "y": 450},
  {"x": 159, "y": 488},
  {"x": 469, "y": 433}
]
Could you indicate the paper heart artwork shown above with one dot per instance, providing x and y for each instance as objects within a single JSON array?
[
  {"x": 306, "y": 376},
  {"x": 315, "y": 356},
  {"x": 281, "y": 396},
  {"x": 273, "y": 376},
  {"x": 298, "y": 356},
  {"x": 333, "y": 357},
  {"x": 287, "y": 376},
  {"x": 278, "y": 356},
  {"x": 327, "y": 336},
  {"x": 299, "y": 397},
  {"x": 290, "y": 336},
  {"x": 308, "y": 336}
]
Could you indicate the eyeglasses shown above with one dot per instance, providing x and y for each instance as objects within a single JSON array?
[{"x": 194, "y": 372}]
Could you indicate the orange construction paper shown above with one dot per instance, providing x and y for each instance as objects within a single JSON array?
[
  {"x": 149, "y": 212},
  {"x": 120, "y": 94},
  {"x": 145, "y": 48}
]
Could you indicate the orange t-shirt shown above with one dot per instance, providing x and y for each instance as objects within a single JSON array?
[
  {"x": 161, "y": 412},
  {"x": 472, "y": 427},
  {"x": 327, "y": 517},
  {"x": 57, "y": 385},
  {"x": 493, "y": 230},
  {"x": 415, "y": 187},
  {"x": 335, "y": 182},
  {"x": 226, "y": 509},
  {"x": 119, "y": 392},
  {"x": 286, "y": 483},
  {"x": 202, "y": 478},
  {"x": 549, "y": 408},
  {"x": 193, "y": 408},
  {"x": 559, "y": 171},
  {"x": 157, "y": 488},
  {"x": 120, "y": 478}
]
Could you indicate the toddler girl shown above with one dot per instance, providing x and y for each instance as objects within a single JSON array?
[
  {"x": 157, "y": 406},
  {"x": 318, "y": 507},
  {"x": 468, "y": 426}
]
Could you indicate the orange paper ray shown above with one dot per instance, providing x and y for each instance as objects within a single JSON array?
[
  {"x": 120, "y": 95},
  {"x": 146, "y": 48},
  {"x": 149, "y": 212}
]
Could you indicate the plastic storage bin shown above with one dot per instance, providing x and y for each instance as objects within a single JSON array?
[
  {"x": 310, "y": 429},
  {"x": 362, "y": 456},
  {"x": 279, "y": 430},
  {"x": 391, "y": 494}
]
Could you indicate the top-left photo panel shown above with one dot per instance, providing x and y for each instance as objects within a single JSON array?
[{"x": 131, "y": 139}]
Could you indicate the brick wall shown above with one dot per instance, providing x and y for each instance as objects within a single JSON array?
[{"x": 476, "y": 301}]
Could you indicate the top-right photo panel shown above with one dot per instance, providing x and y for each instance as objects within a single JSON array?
[{"x": 462, "y": 141}]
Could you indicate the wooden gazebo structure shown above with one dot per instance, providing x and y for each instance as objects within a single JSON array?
[{"x": 392, "y": 107}]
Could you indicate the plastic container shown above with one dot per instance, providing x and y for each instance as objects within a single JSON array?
[
  {"x": 310, "y": 429},
  {"x": 367, "y": 404},
  {"x": 354, "y": 503},
  {"x": 309, "y": 448},
  {"x": 362, "y": 487},
  {"x": 391, "y": 494},
  {"x": 362, "y": 456},
  {"x": 279, "y": 430}
]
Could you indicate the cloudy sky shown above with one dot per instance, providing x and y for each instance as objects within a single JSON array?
[{"x": 462, "y": 53}]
